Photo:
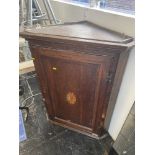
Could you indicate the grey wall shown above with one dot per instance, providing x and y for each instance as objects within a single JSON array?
[{"x": 125, "y": 142}]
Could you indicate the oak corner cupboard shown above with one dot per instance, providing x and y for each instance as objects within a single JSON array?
[{"x": 80, "y": 67}]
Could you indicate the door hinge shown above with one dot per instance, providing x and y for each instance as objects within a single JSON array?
[
  {"x": 109, "y": 77},
  {"x": 103, "y": 115}
]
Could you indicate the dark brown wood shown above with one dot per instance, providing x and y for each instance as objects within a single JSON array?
[
  {"x": 81, "y": 30},
  {"x": 116, "y": 85},
  {"x": 80, "y": 67}
]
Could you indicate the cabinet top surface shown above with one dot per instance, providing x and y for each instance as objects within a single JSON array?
[{"x": 78, "y": 30}]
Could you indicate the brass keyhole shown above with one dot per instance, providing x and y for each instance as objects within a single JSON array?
[{"x": 54, "y": 68}]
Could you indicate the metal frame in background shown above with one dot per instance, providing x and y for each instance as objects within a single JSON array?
[{"x": 34, "y": 12}]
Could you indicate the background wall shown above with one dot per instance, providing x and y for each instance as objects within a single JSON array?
[{"x": 117, "y": 22}]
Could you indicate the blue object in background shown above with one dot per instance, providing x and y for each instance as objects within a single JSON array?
[
  {"x": 22, "y": 133},
  {"x": 84, "y": 1},
  {"x": 81, "y": 1},
  {"x": 102, "y": 3}
]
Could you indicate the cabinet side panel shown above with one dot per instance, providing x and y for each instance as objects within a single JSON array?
[
  {"x": 105, "y": 92},
  {"x": 42, "y": 80},
  {"x": 116, "y": 86}
]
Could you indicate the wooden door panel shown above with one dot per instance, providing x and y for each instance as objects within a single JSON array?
[
  {"x": 74, "y": 79},
  {"x": 66, "y": 81}
]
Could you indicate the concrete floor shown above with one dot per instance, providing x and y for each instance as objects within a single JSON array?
[{"x": 44, "y": 138}]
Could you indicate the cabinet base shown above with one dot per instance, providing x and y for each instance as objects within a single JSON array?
[{"x": 87, "y": 133}]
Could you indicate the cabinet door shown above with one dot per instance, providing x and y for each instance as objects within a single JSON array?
[{"x": 74, "y": 85}]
